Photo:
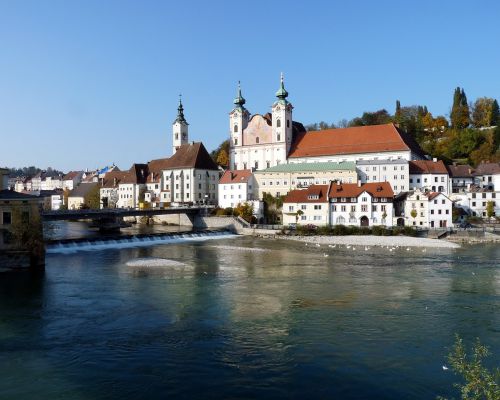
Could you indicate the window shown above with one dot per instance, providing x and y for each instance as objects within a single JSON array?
[
  {"x": 432, "y": 211},
  {"x": 176, "y": 136},
  {"x": 343, "y": 199},
  {"x": 343, "y": 208},
  {"x": 199, "y": 185},
  {"x": 268, "y": 164},
  {"x": 442, "y": 179},
  {"x": 484, "y": 195},
  {"x": 435, "y": 201},
  {"x": 236, "y": 141},
  {"x": 353, "y": 208},
  {"x": 278, "y": 123},
  {"x": 279, "y": 137},
  {"x": 290, "y": 208},
  {"x": 235, "y": 129},
  {"x": 317, "y": 218},
  {"x": 374, "y": 208},
  {"x": 402, "y": 176},
  {"x": 374, "y": 178},
  {"x": 257, "y": 140},
  {"x": 7, "y": 218},
  {"x": 411, "y": 180},
  {"x": 303, "y": 207},
  {"x": 353, "y": 199},
  {"x": 383, "y": 208},
  {"x": 364, "y": 208},
  {"x": 364, "y": 199},
  {"x": 303, "y": 217},
  {"x": 288, "y": 123},
  {"x": 317, "y": 206}
]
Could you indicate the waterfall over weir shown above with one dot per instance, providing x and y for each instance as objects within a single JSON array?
[{"x": 124, "y": 241}]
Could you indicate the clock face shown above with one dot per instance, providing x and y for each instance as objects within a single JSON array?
[
  {"x": 235, "y": 115},
  {"x": 278, "y": 108}
]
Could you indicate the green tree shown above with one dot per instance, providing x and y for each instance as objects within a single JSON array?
[
  {"x": 245, "y": 211},
  {"x": 460, "y": 116},
  {"x": 298, "y": 214},
  {"x": 27, "y": 233},
  {"x": 478, "y": 382},
  {"x": 93, "y": 198},
  {"x": 490, "y": 209}
]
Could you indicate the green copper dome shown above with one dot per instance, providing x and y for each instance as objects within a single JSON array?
[
  {"x": 282, "y": 94},
  {"x": 180, "y": 113},
  {"x": 239, "y": 101}
]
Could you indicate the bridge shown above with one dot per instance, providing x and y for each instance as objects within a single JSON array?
[{"x": 112, "y": 218}]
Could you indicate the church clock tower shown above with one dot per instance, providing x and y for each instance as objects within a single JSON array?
[
  {"x": 179, "y": 129},
  {"x": 238, "y": 121},
  {"x": 282, "y": 119}
]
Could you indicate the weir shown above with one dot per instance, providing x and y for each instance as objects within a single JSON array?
[{"x": 126, "y": 241}]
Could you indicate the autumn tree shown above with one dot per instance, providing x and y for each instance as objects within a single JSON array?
[
  {"x": 221, "y": 154},
  {"x": 490, "y": 209},
  {"x": 485, "y": 112},
  {"x": 460, "y": 115},
  {"x": 93, "y": 198}
]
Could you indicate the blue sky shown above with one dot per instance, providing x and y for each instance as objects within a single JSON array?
[{"x": 87, "y": 83}]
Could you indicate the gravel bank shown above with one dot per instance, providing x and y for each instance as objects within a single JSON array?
[{"x": 369, "y": 240}]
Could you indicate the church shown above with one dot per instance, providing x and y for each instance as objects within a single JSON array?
[{"x": 263, "y": 141}]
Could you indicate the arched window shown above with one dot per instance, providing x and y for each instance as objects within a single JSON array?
[
  {"x": 279, "y": 137},
  {"x": 257, "y": 140},
  {"x": 176, "y": 136},
  {"x": 288, "y": 123},
  {"x": 340, "y": 220},
  {"x": 236, "y": 141},
  {"x": 278, "y": 123},
  {"x": 235, "y": 129}
]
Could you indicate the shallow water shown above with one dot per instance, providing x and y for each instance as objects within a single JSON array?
[{"x": 280, "y": 322}]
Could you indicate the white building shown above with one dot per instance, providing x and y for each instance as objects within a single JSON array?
[
  {"x": 462, "y": 177},
  {"x": 487, "y": 175},
  {"x": 235, "y": 187},
  {"x": 260, "y": 141},
  {"x": 429, "y": 175},
  {"x": 360, "y": 204},
  {"x": 307, "y": 206},
  {"x": 132, "y": 187},
  {"x": 477, "y": 202},
  {"x": 424, "y": 209},
  {"x": 72, "y": 179},
  {"x": 394, "y": 171}
]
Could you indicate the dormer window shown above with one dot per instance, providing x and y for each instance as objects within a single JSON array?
[
  {"x": 235, "y": 129},
  {"x": 313, "y": 197},
  {"x": 278, "y": 123}
]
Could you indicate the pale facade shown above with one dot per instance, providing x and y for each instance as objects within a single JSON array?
[
  {"x": 281, "y": 179},
  {"x": 427, "y": 209},
  {"x": 365, "y": 205},
  {"x": 432, "y": 176},
  {"x": 306, "y": 207},
  {"x": 261, "y": 141},
  {"x": 477, "y": 202},
  {"x": 394, "y": 171},
  {"x": 235, "y": 187},
  {"x": 355, "y": 157},
  {"x": 189, "y": 185}
]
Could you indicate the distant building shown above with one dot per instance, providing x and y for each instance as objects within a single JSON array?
[
  {"x": 236, "y": 187},
  {"x": 395, "y": 171},
  {"x": 280, "y": 179},
  {"x": 4, "y": 177},
  {"x": 487, "y": 175},
  {"x": 80, "y": 196},
  {"x": 307, "y": 206},
  {"x": 462, "y": 177},
  {"x": 132, "y": 186},
  {"x": 430, "y": 175},
  {"x": 72, "y": 179},
  {"x": 423, "y": 209}
]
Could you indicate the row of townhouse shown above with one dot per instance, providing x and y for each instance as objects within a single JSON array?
[
  {"x": 366, "y": 204},
  {"x": 485, "y": 176},
  {"x": 190, "y": 176}
]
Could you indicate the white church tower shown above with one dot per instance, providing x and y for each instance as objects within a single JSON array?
[
  {"x": 238, "y": 121},
  {"x": 282, "y": 120},
  {"x": 179, "y": 129}
]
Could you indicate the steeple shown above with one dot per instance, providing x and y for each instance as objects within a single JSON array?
[
  {"x": 282, "y": 94},
  {"x": 179, "y": 128},
  {"x": 239, "y": 101},
  {"x": 180, "y": 112}
]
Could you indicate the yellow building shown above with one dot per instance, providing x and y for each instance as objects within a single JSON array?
[{"x": 281, "y": 179}]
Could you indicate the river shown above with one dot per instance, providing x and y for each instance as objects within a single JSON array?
[{"x": 241, "y": 317}]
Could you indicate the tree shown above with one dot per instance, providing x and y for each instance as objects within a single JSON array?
[
  {"x": 478, "y": 381},
  {"x": 298, "y": 214},
  {"x": 490, "y": 209},
  {"x": 27, "y": 233},
  {"x": 93, "y": 199},
  {"x": 245, "y": 211},
  {"x": 413, "y": 213},
  {"x": 484, "y": 112},
  {"x": 460, "y": 117},
  {"x": 224, "y": 159}
]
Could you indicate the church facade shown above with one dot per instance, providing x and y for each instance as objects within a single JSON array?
[{"x": 261, "y": 141}]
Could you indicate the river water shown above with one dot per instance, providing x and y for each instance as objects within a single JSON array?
[{"x": 244, "y": 318}]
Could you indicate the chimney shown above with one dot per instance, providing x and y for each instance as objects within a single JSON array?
[
  {"x": 359, "y": 183},
  {"x": 114, "y": 182},
  {"x": 434, "y": 159}
]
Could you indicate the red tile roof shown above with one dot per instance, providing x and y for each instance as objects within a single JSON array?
[
  {"x": 302, "y": 196},
  {"x": 192, "y": 155},
  {"x": 72, "y": 175},
  {"x": 427, "y": 167},
  {"x": 376, "y": 189},
  {"x": 487, "y": 168},
  {"x": 358, "y": 139},
  {"x": 461, "y": 171},
  {"x": 237, "y": 176}
]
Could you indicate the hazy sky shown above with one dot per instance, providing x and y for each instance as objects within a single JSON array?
[{"x": 88, "y": 83}]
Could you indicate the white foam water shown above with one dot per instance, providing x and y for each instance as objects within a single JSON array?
[
  {"x": 129, "y": 242},
  {"x": 153, "y": 262},
  {"x": 255, "y": 249}
]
